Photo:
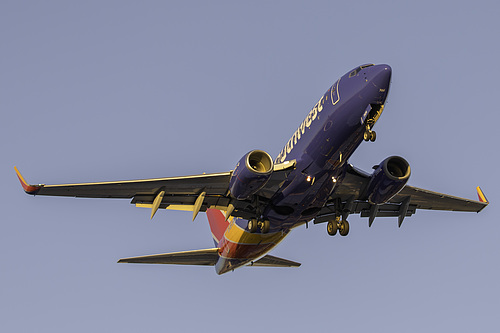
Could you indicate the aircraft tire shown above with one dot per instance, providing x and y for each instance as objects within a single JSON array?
[
  {"x": 252, "y": 225},
  {"x": 331, "y": 228},
  {"x": 373, "y": 136},
  {"x": 344, "y": 228},
  {"x": 266, "y": 225},
  {"x": 366, "y": 136}
]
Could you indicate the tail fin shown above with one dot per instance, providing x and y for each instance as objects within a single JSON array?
[{"x": 218, "y": 223}]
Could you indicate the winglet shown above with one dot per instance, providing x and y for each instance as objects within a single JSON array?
[
  {"x": 481, "y": 195},
  {"x": 30, "y": 189}
]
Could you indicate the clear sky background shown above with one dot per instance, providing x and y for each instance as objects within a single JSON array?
[{"x": 116, "y": 90}]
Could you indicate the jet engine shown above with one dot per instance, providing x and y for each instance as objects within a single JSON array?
[
  {"x": 388, "y": 179},
  {"x": 251, "y": 174}
]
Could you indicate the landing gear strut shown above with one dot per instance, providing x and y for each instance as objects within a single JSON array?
[{"x": 341, "y": 225}]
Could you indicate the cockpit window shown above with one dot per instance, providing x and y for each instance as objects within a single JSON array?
[
  {"x": 357, "y": 70},
  {"x": 334, "y": 93}
]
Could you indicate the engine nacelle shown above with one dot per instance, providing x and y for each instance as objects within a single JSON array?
[
  {"x": 251, "y": 174},
  {"x": 388, "y": 179}
]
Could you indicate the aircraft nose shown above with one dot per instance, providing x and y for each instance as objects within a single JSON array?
[
  {"x": 381, "y": 80},
  {"x": 383, "y": 76}
]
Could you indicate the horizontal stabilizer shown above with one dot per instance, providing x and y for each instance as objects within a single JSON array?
[
  {"x": 206, "y": 257},
  {"x": 272, "y": 261}
]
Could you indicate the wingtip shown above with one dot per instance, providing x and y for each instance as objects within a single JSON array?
[
  {"x": 30, "y": 189},
  {"x": 481, "y": 195}
]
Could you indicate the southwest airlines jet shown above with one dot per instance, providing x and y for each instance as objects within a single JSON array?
[{"x": 255, "y": 206}]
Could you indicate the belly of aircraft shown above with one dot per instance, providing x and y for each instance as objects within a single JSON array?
[{"x": 239, "y": 247}]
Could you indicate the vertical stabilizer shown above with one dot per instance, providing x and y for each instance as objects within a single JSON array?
[{"x": 218, "y": 223}]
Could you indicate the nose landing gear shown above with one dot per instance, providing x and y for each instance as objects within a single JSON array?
[{"x": 369, "y": 135}]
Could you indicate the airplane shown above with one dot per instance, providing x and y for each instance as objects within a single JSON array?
[{"x": 252, "y": 208}]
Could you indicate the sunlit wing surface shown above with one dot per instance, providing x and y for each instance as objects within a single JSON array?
[
  {"x": 216, "y": 184},
  {"x": 178, "y": 193}
]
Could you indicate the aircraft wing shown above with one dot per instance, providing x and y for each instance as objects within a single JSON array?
[
  {"x": 191, "y": 193},
  {"x": 349, "y": 196}
]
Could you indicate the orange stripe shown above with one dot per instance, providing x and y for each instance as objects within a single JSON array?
[{"x": 27, "y": 187}]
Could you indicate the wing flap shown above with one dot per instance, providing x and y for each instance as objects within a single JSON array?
[
  {"x": 363, "y": 208},
  {"x": 205, "y": 257}
]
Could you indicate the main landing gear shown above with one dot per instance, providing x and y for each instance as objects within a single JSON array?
[
  {"x": 341, "y": 225},
  {"x": 254, "y": 224}
]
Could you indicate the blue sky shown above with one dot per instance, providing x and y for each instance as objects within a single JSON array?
[{"x": 114, "y": 90}]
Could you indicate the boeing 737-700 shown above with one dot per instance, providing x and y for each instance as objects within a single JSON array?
[{"x": 255, "y": 206}]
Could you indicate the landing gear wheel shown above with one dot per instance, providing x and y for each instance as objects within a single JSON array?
[
  {"x": 366, "y": 136},
  {"x": 252, "y": 225},
  {"x": 265, "y": 226},
  {"x": 331, "y": 228},
  {"x": 369, "y": 135},
  {"x": 343, "y": 228}
]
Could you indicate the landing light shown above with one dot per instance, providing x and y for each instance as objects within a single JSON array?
[
  {"x": 308, "y": 178},
  {"x": 334, "y": 180}
]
